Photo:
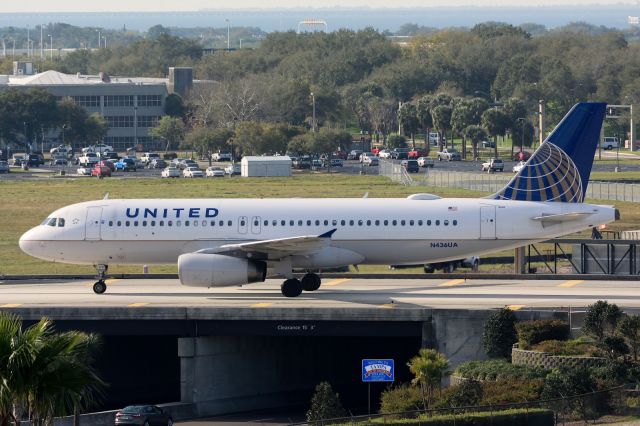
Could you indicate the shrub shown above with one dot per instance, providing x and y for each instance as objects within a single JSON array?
[
  {"x": 400, "y": 399},
  {"x": 511, "y": 391},
  {"x": 499, "y": 334},
  {"x": 601, "y": 319},
  {"x": 610, "y": 374},
  {"x": 614, "y": 346},
  {"x": 532, "y": 332},
  {"x": 325, "y": 404},
  {"x": 496, "y": 369},
  {"x": 396, "y": 141},
  {"x": 466, "y": 394},
  {"x": 576, "y": 347},
  {"x": 629, "y": 329}
]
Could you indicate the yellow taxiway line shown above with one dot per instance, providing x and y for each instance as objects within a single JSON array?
[
  {"x": 11, "y": 305},
  {"x": 452, "y": 283},
  {"x": 515, "y": 307},
  {"x": 138, "y": 304},
  {"x": 261, "y": 305},
  {"x": 336, "y": 282},
  {"x": 571, "y": 283}
]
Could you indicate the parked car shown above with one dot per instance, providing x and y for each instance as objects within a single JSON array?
[
  {"x": 214, "y": 172},
  {"x": 17, "y": 160},
  {"x": 232, "y": 169},
  {"x": 157, "y": 163},
  {"x": 493, "y": 165},
  {"x": 449, "y": 155},
  {"x": 35, "y": 159},
  {"x": 336, "y": 162},
  {"x": 148, "y": 157},
  {"x": 84, "y": 171},
  {"x": 521, "y": 156},
  {"x": 109, "y": 164},
  {"x": 354, "y": 154},
  {"x": 110, "y": 155},
  {"x": 425, "y": 162},
  {"x": 384, "y": 153},
  {"x": 192, "y": 172},
  {"x": 448, "y": 267},
  {"x": 365, "y": 155},
  {"x": 88, "y": 159},
  {"x": 221, "y": 156},
  {"x": 370, "y": 161},
  {"x": 488, "y": 144},
  {"x": 610, "y": 142},
  {"x": 519, "y": 166},
  {"x": 66, "y": 150},
  {"x": 416, "y": 153},
  {"x": 301, "y": 163},
  {"x": 143, "y": 415},
  {"x": 97, "y": 149},
  {"x": 126, "y": 164},
  {"x": 410, "y": 166},
  {"x": 171, "y": 172},
  {"x": 101, "y": 170},
  {"x": 434, "y": 138},
  {"x": 4, "y": 166},
  {"x": 400, "y": 153}
]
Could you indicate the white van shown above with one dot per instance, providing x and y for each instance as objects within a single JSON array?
[{"x": 610, "y": 142}]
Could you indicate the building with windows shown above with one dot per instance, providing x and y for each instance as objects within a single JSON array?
[{"x": 131, "y": 105}]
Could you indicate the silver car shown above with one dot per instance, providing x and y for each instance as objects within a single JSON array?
[{"x": 4, "y": 167}]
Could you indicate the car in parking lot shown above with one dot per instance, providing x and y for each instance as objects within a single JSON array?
[
  {"x": 157, "y": 163},
  {"x": 148, "y": 157},
  {"x": 521, "y": 156},
  {"x": 108, "y": 164},
  {"x": 101, "y": 170},
  {"x": 17, "y": 160},
  {"x": 232, "y": 169},
  {"x": 66, "y": 150},
  {"x": 59, "y": 160},
  {"x": 416, "y": 153},
  {"x": 88, "y": 159},
  {"x": 4, "y": 167},
  {"x": 84, "y": 171},
  {"x": 519, "y": 166},
  {"x": 370, "y": 161},
  {"x": 449, "y": 155},
  {"x": 493, "y": 165},
  {"x": 110, "y": 155},
  {"x": 384, "y": 153},
  {"x": 410, "y": 166},
  {"x": 488, "y": 144},
  {"x": 126, "y": 164},
  {"x": 354, "y": 154},
  {"x": 400, "y": 153},
  {"x": 221, "y": 156},
  {"x": 425, "y": 162},
  {"x": 214, "y": 172},
  {"x": 171, "y": 172},
  {"x": 97, "y": 149},
  {"x": 192, "y": 172},
  {"x": 143, "y": 415}
]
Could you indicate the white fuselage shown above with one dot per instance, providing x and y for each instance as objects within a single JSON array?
[{"x": 381, "y": 231}]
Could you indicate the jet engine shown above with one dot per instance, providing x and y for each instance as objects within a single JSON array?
[{"x": 216, "y": 270}]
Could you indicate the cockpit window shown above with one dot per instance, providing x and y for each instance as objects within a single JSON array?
[
  {"x": 44, "y": 222},
  {"x": 60, "y": 222},
  {"x": 52, "y": 222}
]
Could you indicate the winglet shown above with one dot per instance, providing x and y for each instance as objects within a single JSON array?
[
  {"x": 106, "y": 196},
  {"x": 328, "y": 234}
]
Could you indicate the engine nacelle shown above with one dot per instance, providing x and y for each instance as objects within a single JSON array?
[{"x": 216, "y": 270}]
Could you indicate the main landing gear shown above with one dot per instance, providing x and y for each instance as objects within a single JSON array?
[
  {"x": 293, "y": 287},
  {"x": 100, "y": 286}
]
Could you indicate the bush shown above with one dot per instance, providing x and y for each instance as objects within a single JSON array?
[
  {"x": 611, "y": 374},
  {"x": 532, "y": 332},
  {"x": 576, "y": 347},
  {"x": 396, "y": 141},
  {"x": 614, "y": 347},
  {"x": 400, "y": 399},
  {"x": 499, "y": 334},
  {"x": 601, "y": 320},
  {"x": 497, "y": 369},
  {"x": 325, "y": 404},
  {"x": 466, "y": 394},
  {"x": 511, "y": 391}
]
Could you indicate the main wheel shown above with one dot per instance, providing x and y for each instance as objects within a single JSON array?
[
  {"x": 311, "y": 282},
  {"x": 291, "y": 287},
  {"x": 99, "y": 287}
]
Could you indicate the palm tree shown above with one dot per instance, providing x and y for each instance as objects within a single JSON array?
[
  {"x": 428, "y": 368},
  {"x": 45, "y": 372}
]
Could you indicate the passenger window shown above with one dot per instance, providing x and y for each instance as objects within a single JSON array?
[
  {"x": 351, "y": 222},
  {"x": 195, "y": 223},
  {"x": 402, "y": 222},
  {"x": 162, "y": 223},
  {"x": 326, "y": 222},
  {"x": 283, "y": 222},
  {"x": 386, "y": 223},
  {"x": 127, "y": 223},
  {"x": 334, "y": 222},
  {"x": 135, "y": 223},
  {"x": 230, "y": 222},
  {"x": 395, "y": 222},
  {"x": 455, "y": 222},
  {"x": 144, "y": 223},
  {"x": 274, "y": 223},
  {"x": 170, "y": 223},
  {"x": 266, "y": 223},
  {"x": 368, "y": 223},
  {"x": 410, "y": 223},
  {"x": 153, "y": 223},
  {"x": 221, "y": 223},
  {"x": 119, "y": 223},
  {"x": 343, "y": 222},
  {"x": 437, "y": 223},
  {"x": 204, "y": 223},
  {"x": 242, "y": 223},
  {"x": 178, "y": 222},
  {"x": 446, "y": 223},
  {"x": 213, "y": 223},
  {"x": 256, "y": 222},
  {"x": 308, "y": 223},
  {"x": 292, "y": 222},
  {"x": 61, "y": 223},
  {"x": 299, "y": 223},
  {"x": 428, "y": 222},
  {"x": 420, "y": 222},
  {"x": 360, "y": 222},
  {"x": 317, "y": 222}
]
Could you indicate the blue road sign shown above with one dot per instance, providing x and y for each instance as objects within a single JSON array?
[{"x": 378, "y": 370}]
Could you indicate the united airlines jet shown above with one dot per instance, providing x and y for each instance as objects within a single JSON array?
[{"x": 227, "y": 242}]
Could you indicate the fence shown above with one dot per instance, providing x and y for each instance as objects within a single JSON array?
[
  {"x": 585, "y": 407},
  {"x": 490, "y": 183}
]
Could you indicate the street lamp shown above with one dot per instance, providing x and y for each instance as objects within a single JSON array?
[
  {"x": 228, "y": 33},
  {"x": 104, "y": 37},
  {"x": 313, "y": 104},
  {"x": 51, "y": 46},
  {"x": 99, "y": 37}
]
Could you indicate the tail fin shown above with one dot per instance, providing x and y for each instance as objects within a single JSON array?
[{"x": 559, "y": 169}]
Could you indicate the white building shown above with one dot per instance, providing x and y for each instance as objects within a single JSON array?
[{"x": 266, "y": 166}]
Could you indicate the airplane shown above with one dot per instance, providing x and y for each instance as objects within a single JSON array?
[{"x": 228, "y": 242}]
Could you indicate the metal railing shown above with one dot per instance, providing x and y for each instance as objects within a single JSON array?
[{"x": 493, "y": 182}]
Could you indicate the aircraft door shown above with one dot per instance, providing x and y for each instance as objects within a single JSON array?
[
  {"x": 92, "y": 225},
  {"x": 242, "y": 225},
  {"x": 255, "y": 225},
  {"x": 488, "y": 223}
]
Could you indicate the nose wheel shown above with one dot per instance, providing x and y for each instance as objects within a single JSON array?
[{"x": 99, "y": 287}]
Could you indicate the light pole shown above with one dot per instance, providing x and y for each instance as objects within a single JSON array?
[
  {"x": 313, "y": 106},
  {"x": 41, "y": 42},
  {"x": 228, "y": 33},
  {"x": 240, "y": 44},
  {"x": 28, "y": 42},
  {"x": 13, "y": 49},
  {"x": 104, "y": 37},
  {"x": 51, "y": 47},
  {"x": 99, "y": 37}
]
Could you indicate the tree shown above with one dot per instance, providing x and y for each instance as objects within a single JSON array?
[
  {"x": 475, "y": 134},
  {"x": 429, "y": 367},
  {"x": 325, "y": 404},
  {"x": 173, "y": 105},
  {"x": 408, "y": 117},
  {"x": 565, "y": 383},
  {"x": 629, "y": 329},
  {"x": 206, "y": 140},
  {"x": 601, "y": 320},
  {"x": 461, "y": 117},
  {"x": 171, "y": 129},
  {"x": 499, "y": 334},
  {"x": 396, "y": 141},
  {"x": 496, "y": 122},
  {"x": 47, "y": 373},
  {"x": 423, "y": 113},
  {"x": 441, "y": 120},
  {"x": 96, "y": 127},
  {"x": 466, "y": 394}
]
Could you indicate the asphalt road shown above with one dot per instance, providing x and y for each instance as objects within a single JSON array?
[{"x": 334, "y": 293}]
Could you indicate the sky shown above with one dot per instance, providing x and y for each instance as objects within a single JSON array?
[{"x": 10, "y": 6}]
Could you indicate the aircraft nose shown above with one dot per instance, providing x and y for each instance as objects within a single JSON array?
[{"x": 27, "y": 242}]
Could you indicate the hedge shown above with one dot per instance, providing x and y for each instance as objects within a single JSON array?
[
  {"x": 496, "y": 369},
  {"x": 513, "y": 417},
  {"x": 532, "y": 332}
]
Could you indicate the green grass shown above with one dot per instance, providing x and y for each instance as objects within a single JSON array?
[{"x": 27, "y": 202}]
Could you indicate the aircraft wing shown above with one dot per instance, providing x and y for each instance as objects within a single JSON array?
[{"x": 275, "y": 248}]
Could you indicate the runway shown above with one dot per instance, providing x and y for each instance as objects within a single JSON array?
[{"x": 340, "y": 293}]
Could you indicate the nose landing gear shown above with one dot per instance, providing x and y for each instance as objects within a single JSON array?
[{"x": 100, "y": 286}]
